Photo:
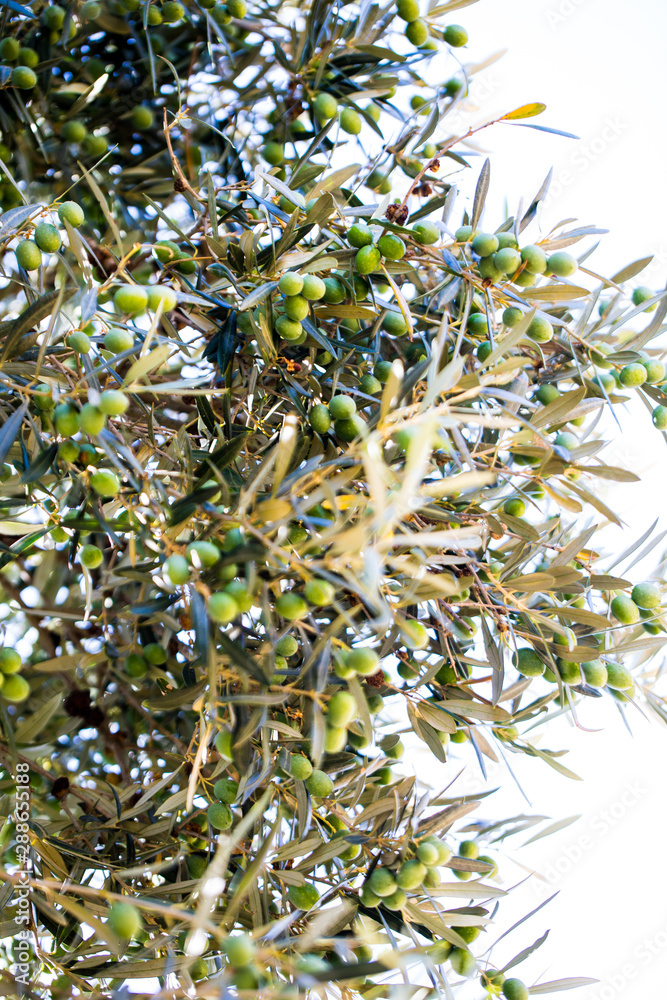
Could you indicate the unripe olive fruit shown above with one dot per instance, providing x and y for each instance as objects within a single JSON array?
[
  {"x": 273, "y": 153},
  {"x": 369, "y": 384},
  {"x": 655, "y": 371},
  {"x": 91, "y": 10},
  {"x": 73, "y": 131},
  {"x": 222, "y": 608},
  {"x": 624, "y": 610},
  {"x": 360, "y": 235},
  {"x": 154, "y": 653},
  {"x": 223, "y": 743},
  {"x": 313, "y": 288},
  {"x": 394, "y": 323},
  {"x": 632, "y": 375},
  {"x": 237, "y": 8},
  {"x": 304, "y": 897},
  {"x": 94, "y": 145},
  {"x": 646, "y": 595},
  {"x": 79, "y": 342},
  {"x": 320, "y": 418},
  {"x": 408, "y": 10},
  {"x": 71, "y": 213},
  {"x": 342, "y": 407},
  {"x": 463, "y": 234},
  {"x": 535, "y": 259},
  {"x": 47, "y": 238},
  {"x": 226, "y": 790},
  {"x": 197, "y": 865},
  {"x": 288, "y": 329},
  {"x": 172, "y": 11},
  {"x": 28, "y": 57},
  {"x": 382, "y": 370},
  {"x": 135, "y": 666},
  {"x": 524, "y": 279},
  {"x": 515, "y": 507},
  {"x": 570, "y": 673},
  {"x": 478, "y": 324},
  {"x": 23, "y": 77},
  {"x": 367, "y": 260},
  {"x": 90, "y": 556},
  {"x": 334, "y": 290},
  {"x": 562, "y": 264},
  {"x": 485, "y": 244},
  {"x": 363, "y": 660},
  {"x": 91, "y": 420},
  {"x": 463, "y": 962},
  {"x": 414, "y": 634},
  {"x": 426, "y": 233},
  {"x": 9, "y": 49},
  {"x": 290, "y": 283},
  {"x": 382, "y": 882},
  {"x": 396, "y": 901},
  {"x": 659, "y": 417},
  {"x": 411, "y": 874},
  {"x": 507, "y": 260},
  {"x": 489, "y": 271},
  {"x": 142, "y": 118},
  {"x": 161, "y": 295},
  {"x": 240, "y": 949},
  {"x": 378, "y": 182},
  {"x": 619, "y": 677},
  {"x": 642, "y": 294},
  {"x": 595, "y": 673},
  {"x": 124, "y": 920},
  {"x": 350, "y": 121},
  {"x": 514, "y": 989},
  {"x": 468, "y": 849},
  {"x": 105, "y": 483},
  {"x": 507, "y": 240},
  {"x": 455, "y": 35},
  {"x": 219, "y": 815},
  {"x": 118, "y": 340},
  {"x": 296, "y": 307},
  {"x": 28, "y": 255},
  {"x": 427, "y": 853},
  {"x": 325, "y": 106},
  {"x": 528, "y": 662},
  {"x": 335, "y": 738},
  {"x": 391, "y": 246},
  {"x": 367, "y": 897},
  {"x": 203, "y": 554},
  {"x": 375, "y": 704},
  {"x": 342, "y": 709},
  {"x": 547, "y": 393},
  {"x": 319, "y": 784},
  {"x": 319, "y": 592},
  {"x": 291, "y": 606},
  {"x": 65, "y": 419},
  {"x": 14, "y": 688},
  {"x": 417, "y": 31},
  {"x": 131, "y": 299},
  {"x": 300, "y": 767},
  {"x": 540, "y": 330},
  {"x": 10, "y": 661},
  {"x": 113, "y": 402}
]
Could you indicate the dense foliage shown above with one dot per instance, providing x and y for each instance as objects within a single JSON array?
[{"x": 299, "y": 459}]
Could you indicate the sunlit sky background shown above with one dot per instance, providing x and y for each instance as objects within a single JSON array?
[{"x": 600, "y": 67}]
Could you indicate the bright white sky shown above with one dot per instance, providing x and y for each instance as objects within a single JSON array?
[{"x": 600, "y": 67}]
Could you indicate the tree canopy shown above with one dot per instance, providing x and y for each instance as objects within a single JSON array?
[{"x": 300, "y": 466}]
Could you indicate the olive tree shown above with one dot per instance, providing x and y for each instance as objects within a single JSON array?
[{"x": 300, "y": 466}]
